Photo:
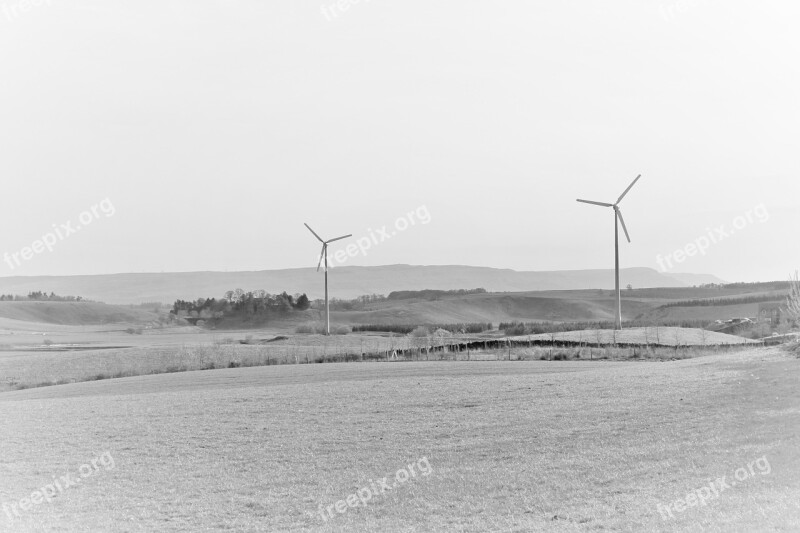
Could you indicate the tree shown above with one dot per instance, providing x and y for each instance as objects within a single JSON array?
[
  {"x": 302, "y": 303},
  {"x": 793, "y": 299}
]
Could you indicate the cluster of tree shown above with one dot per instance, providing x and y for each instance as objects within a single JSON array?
[
  {"x": 432, "y": 294},
  {"x": 239, "y": 303},
  {"x": 405, "y": 329},
  {"x": 40, "y": 296},
  {"x": 714, "y": 302}
]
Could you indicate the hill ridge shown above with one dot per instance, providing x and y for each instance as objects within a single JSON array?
[{"x": 345, "y": 281}]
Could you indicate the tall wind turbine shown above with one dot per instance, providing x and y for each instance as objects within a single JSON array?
[
  {"x": 324, "y": 256},
  {"x": 617, "y": 219}
]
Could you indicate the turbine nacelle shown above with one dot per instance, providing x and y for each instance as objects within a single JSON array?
[
  {"x": 324, "y": 253},
  {"x": 617, "y": 211}
]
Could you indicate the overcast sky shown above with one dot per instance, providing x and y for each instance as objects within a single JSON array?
[{"x": 213, "y": 129}]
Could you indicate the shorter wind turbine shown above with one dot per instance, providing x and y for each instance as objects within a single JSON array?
[
  {"x": 325, "y": 257},
  {"x": 617, "y": 219}
]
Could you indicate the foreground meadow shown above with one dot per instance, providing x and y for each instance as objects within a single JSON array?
[{"x": 465, "y": 446}]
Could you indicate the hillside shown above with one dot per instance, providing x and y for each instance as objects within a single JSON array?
[
  {"x": 345, "y": 282},
  {"x": 643, "y": 305},
  {"x": 494, "y": 308}
]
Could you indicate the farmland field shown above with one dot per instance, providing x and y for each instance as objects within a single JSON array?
[{"x": 510, "y": 446}]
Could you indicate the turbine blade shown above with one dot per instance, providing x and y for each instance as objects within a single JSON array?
[
  {"x": 314, "y": 232},
  {"x": 619, "y": 214},
  {"x": 322, "y": 255},
  {"x": 596, "y": 203},
  {"x": 337, "y": 239},
  {"x": 629, "y": 188}
]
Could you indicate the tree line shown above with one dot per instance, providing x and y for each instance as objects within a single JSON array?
[
  {"x": 405, "y": 329},
  {"x": 40, "y": 296}
]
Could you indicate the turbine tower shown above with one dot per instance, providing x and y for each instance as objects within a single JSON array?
[
  {"x": 617, "y": 219},
  {"x": 325, "y": 257}
]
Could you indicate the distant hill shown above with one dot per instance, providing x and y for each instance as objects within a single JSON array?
[{"x": 345, "y": 282}]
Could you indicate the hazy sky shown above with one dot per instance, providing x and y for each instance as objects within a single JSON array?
[{"x": 214, "y": 129}]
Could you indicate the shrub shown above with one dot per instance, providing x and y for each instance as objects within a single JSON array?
[
  {"x": 794, "y": 347},
  {"x": 515, "y": 330},
  {"x": 420, "y": 332},
  {"x": 442, "y": 334},
  {"x": 342, "y": 330}
]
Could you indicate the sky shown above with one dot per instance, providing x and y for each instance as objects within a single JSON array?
[{"x": 197, "y": 135}]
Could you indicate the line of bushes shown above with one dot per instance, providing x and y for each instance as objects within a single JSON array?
[
  {"x": 405, "y": 329},
  {"x": 537, "y": 328},
  {"x": 714, "y": 302},
  {"x": 318, "y": 328}
]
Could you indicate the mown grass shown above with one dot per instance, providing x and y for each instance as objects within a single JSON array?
[{"x": 513, "y": 447}]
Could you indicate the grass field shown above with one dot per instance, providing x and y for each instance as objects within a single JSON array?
[
  {"x": 526, "y": 446},
  {"x": 103, "y": 355}
]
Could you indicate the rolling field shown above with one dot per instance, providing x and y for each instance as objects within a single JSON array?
[{"x": 529, "y": 446}]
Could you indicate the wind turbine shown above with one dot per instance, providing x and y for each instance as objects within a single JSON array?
[
  {"x": 617, "y": 219},
  {"x": 325, "y": 257}
]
